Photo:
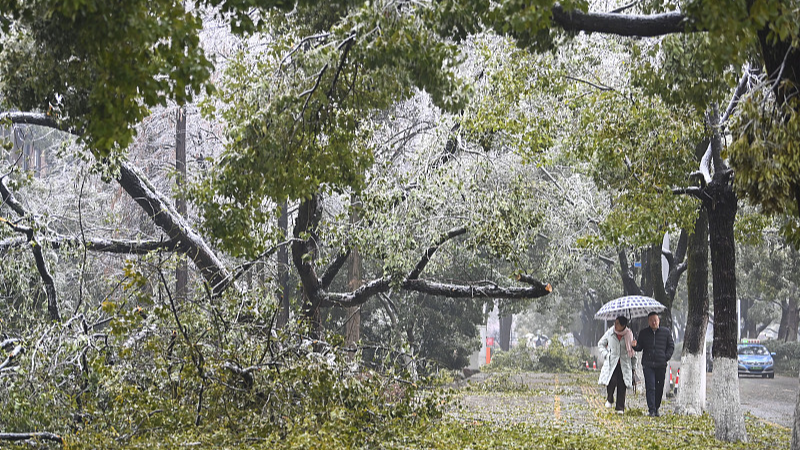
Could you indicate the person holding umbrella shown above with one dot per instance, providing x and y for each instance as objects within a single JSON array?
[
  {"x": 616, "y": 347},
  {"x": 657, "y": 346}
]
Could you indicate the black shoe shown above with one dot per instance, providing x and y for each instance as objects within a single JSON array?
[
  {"x": 656, "y": 414},
  {"x": 651, "y": 413}
]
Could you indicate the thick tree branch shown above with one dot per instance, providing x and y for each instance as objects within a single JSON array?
[
  {"x": 47, "y": 280},
  {"x": 117, "y": 246},
  {"x": 157, "y": 206},
  {"x": 30, "y": 118},
  {"x": 621, "y": 24},
  {"x": 694, "y": 191},
  {"x": 304, "y": 250},
  {"x": 683, "y": 246},
  {"x": 363, "y": 294},
  {"x": 710, "y": 156},
  {"x": 426, "y": 258},
  {"x": 628, "y": 282},
  {"x": 304, "y": 253},
  {"x": 160, "y": 209},
  {"x": 334, "y": 268}
]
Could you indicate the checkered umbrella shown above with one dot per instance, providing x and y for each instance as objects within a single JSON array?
[{"x": 631, "y": 307}]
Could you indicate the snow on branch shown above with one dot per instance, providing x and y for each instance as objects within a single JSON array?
[
  {"x": 157, "y": 206},
  {"x": 36, "y": 248},
  {"x": 620, "y": 24}
]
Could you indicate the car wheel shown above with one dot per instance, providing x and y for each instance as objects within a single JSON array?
[
  {"x": 764, "y": 376},
  {"x": 772, "y": 375}
]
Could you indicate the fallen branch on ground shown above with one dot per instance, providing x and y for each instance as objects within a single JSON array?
[{"x": 25, "y": 436}]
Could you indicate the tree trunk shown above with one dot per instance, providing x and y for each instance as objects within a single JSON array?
[
  {"x": 628, "y": 282},
  {"x": 304, "y": 253},
  {"x": 283, "y": 269},
  {"x": 692, "y": 393},
  {"x": 646, "y": 283},
  {"x": 792, "y": 320},
  {"x": 720, "y": 202},
  {"x": 659, "y": 293},
  {"x": 591, "y": 330},
  {"x": 182, "y": 271},
  {"x": 505, "y": 332},
  {"x": 784, "y": 324},
  {"x": 748, "y": 326},
  {"x": 355, "y": 280}
]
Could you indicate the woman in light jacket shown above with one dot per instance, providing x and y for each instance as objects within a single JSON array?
[{"x": 616, "y": 346}]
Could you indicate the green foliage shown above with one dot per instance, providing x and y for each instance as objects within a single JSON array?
[
  {"x": 766, "y": 155},
  {"x": 787, "y": 357},
  {"x": 299, "y": 114},
  {"x": 504, "y": 382},
  {"x": 514, "y": 99},
  {"x": 638, "y": 148},
  {"x": 686, "y": 70},
  {"x": 143, "y": 385},
  {"x": 736, "y": 23},
  {"x": 553, "y": 358},
  {"x": 98, "y": 66},
  {"x": 518, "y": 358},
  {"x": 558, "y": 358}
]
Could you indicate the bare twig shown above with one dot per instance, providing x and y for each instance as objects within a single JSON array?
[
  {"x": 300, "y": 44},
  {"x": 596, "y": 86}
]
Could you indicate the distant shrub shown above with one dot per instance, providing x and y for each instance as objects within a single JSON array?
[
  {"x": 559, "y": 358},
  {"x": 787, "y": 357},
  {"x": 519, "y": 358},
  {"x": 555, "y": 358}
]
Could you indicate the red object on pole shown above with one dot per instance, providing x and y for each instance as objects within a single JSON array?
[
  {"x": 677, "y": 377},
  {"x": 594, "y": 365},
  {"x": 587, "y": 364},
  {"x": 488, "y": 355},
  {"x": 670, "y": 374}
]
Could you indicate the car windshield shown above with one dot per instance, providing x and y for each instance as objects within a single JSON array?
[{"x": 752, "y": 350}]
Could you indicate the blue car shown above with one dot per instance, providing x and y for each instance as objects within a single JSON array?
[{"x": 755, "y": 359}]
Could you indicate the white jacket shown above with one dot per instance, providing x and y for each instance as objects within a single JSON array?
[{"x": 613, "y": 350}]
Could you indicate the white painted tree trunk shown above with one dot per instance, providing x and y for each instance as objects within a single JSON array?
[
  {"x": 692, "y": 386},
  {"x": 726, "y": 408},
  {"x": 796, "y": 427}
]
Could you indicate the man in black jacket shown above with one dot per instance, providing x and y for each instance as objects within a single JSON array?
[{"x": 657, "y": 344}]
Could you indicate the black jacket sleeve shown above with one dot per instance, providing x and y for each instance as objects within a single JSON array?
[
  {"x": 639, "y": 344},
  {"x": 670, "y": 345}
]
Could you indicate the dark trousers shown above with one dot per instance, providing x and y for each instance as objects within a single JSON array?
[
  {"x": 654, "y": 385},
  {"x": 617, "y": 382}
]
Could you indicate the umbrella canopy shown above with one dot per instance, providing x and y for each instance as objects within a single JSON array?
[{"x": 631, "y": 307}]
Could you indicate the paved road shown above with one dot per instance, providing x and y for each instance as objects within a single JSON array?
[{"x": 771, "y": 399}]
